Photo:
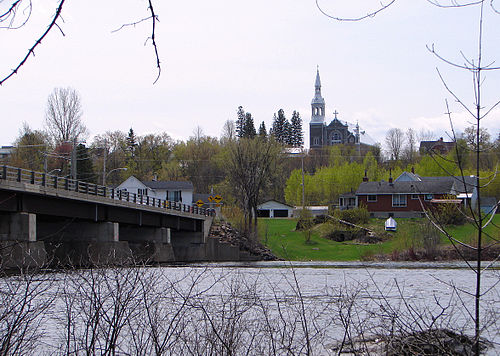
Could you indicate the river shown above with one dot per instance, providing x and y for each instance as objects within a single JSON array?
[{"x": 258, "y": 308}]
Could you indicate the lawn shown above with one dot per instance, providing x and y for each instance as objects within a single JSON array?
[{"x": 289, "y": 244}]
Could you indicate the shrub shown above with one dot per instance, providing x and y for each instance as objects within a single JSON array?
[
  {"x": 450, "y": 214},
  {"x": 355, "y": 216}
]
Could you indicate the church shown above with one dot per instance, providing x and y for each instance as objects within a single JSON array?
[{"x": 322, "y": 134}]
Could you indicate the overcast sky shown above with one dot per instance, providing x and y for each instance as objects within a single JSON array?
[{"x": 261, "y": 54}]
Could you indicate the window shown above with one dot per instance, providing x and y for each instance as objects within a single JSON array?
[
  {"x": 341, "y": 201},
  {"x": 336, "y": 137},
  {"x": 174, "y": 195},
  {"x": 141, "y": 191},
  {"x": 398, "y": 200},
  {"x": 428, "y": 197},
  {"x": 414, "y": 196},
  {"x": 316, "y": 141},
  {"x": 371, "y": 198}
]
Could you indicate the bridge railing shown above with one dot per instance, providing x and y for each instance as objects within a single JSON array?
[{"x": 64, "y": 183}]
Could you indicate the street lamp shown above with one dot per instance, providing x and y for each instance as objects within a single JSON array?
[{"x": 111, "y": 171}]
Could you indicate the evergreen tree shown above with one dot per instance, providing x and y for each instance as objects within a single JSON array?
[
  {"x": 287, "y": 134},
  {"x": 262, "y": 130},
  {"x": 84, "y": 166},
  {"x": 131, "y": 142},
  {"x": 249, "y": 127},
  {"x": 240, "y": 122},
  {"x": 279, "y": 127},
  {"x": 297, "y": 135}
]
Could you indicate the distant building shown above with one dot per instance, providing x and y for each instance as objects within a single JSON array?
[
  {"x": 409, "y": 193},
  {"x": 440, "y": 146},
  {"x": 168, "y": 190},
  {"x": 336, "y": 132},
  {"x": 274, "y": 209},
  {"x": 5, "y": 153}
]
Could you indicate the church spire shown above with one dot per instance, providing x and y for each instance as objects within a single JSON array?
[
  {"x": 318, "y": 103},
  {"x": 318, "y": 82}
]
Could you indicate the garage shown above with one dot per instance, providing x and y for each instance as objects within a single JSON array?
[{"x": 274, "y": 209}]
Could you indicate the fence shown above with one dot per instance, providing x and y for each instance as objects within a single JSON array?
[{"x": 64, "y": 183}]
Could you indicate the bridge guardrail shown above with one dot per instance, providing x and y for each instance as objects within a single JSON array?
[{"x": 64, "y": 183}]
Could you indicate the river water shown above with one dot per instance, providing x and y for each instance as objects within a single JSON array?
[{"x": 258, "y": 308}]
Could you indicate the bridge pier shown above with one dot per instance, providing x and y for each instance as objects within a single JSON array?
[
  {"x": 81, "y": 243},
  {"x": 148, "y": 244},
  {"x": 18, "y": 245}
]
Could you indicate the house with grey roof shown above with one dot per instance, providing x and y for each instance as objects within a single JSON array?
[
  {"x": 409, "y": 194},
  {"x": 175, "y": 191},
  {"x": 437, "y": 147}
]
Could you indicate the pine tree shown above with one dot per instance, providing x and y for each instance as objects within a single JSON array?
[
  {"x": 279, "y": 127},
  {"x": 240, "y": 122},
  {"x": 84, "y": 167},
  {"x": 249, "y": 127},
  {"x": 262, "y": 130},
  {"x": 131, "y": 142},
  {"x": 287, "y": 134},
  {"x": 297, "y": 134}
]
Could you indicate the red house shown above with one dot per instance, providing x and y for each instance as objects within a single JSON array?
[{"x": 405, "y": 196}]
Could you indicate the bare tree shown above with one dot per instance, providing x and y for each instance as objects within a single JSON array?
[
  {"x": 426, "y": 135},
  {"x": 394, "y": 141},
  {"x": 228, "y": 131},
  {"x": 63, "y": 116},
  {"x": 411, "y": 145},
  {"x": 250, "y": 167}
]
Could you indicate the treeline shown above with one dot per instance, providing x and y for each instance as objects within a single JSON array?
[
  {"x": 246, "y": 166},
  {"x": 343, "y": 169}
]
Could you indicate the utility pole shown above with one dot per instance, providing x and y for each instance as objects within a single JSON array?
[
  {"x": 303, "y": 184},
  {"x": 104, "y": 162},
  {"x": 73, "y": 161}
]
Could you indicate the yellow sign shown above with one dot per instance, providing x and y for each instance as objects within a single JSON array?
[
  {"x": 217, "y": 198},
  {"x": 200, "y": 203},
  {"x": 210, "y": 198}
]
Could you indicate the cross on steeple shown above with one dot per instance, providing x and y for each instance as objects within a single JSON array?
[{"x": 335, "y": 113}]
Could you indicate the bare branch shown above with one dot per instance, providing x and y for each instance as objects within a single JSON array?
[
  {"x": 352, "y": 19},
  {"x": 454, "y": 3},
  {"x": 31, "y": 51}
]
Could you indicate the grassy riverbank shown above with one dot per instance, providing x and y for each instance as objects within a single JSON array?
[{"x": 280, "y": 236}]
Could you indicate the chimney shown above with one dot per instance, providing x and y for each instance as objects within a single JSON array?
[
  {"x": 413, "y": 170},
  {"x": 390, "y": 176},
  {"x": 365, "y": 178},
  {"x": 155, "y": 178}
]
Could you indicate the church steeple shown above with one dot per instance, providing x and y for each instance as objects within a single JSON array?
[{"x": 318, "y": 103}]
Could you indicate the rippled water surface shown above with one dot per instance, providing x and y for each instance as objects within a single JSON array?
[{"x": 255, "y": 308}]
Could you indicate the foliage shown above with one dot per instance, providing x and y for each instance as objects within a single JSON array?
[
  {"x": 450, "y": 214},
  {"x": 296, "y": 134},
  {"x": 84, "y": 167},
  {"x": 355, "y": 216},
  {"x": 31, "y": 148},
  {"x": 305, "y": 223},
  {"x": 279, "y": 129}
]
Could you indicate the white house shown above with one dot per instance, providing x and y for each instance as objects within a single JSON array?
[
  {"x": 274, "y": 209},
  {"x": 171, "y": 190}
]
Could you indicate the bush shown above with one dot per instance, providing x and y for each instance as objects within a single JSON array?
[
  {"x": 450, "y": 214},
  {"x": 354, "y": 216}
]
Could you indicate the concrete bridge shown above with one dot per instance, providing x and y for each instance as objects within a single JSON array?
[{"x": 46, "y": 219}]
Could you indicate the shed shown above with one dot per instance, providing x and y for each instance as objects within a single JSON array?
[{"x": 274, "y": 209}]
